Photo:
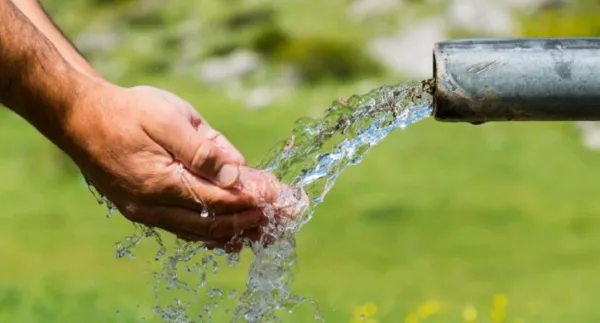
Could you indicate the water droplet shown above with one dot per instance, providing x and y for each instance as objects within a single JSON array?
[
  {"x": 161, "y": 252},
  {"x": 204, "y": 213},
  {"x": 214, "y": 293},
  {"x": 203, "y": 280}
]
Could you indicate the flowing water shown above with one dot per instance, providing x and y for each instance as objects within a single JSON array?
[{"x": 309, "y": 161}]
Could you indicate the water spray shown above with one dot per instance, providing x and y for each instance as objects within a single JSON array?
[{"x": 523, "y": 79}]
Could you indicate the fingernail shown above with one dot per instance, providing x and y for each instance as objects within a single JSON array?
[{"x": 228, "y": 175}]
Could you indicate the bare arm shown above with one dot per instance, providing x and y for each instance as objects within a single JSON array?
[
  {"x": 33, "y": 10},
  {"x": 35, "y": 81},
  {"x": 148, "y": 151}
]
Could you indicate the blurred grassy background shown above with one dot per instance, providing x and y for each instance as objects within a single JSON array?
[{"x": 436, "y": 221}]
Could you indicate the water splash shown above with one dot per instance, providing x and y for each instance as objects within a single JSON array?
[
  {"x": 309, "y": 161},
  {"x": 101, "y": 199},
  {"x": 319, "y": 150}
]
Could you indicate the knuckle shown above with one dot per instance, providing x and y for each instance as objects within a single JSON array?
[
  {"x": 210, "y": 200},
  {"x": 132, "y": 211},
  {"x": 149, "y": 187},
  {"x": 203, "y": 153},
  {"x": 229, "y": 202},
  {"x": 213, "y": 134},
  {"x": 145, "y": 190}
]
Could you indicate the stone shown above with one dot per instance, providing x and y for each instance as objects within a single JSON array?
[
  {"x": 590, "y": 134},
  {"x": 226, "y": 69},
  {"x": 410, "y": 52},
  {"x": 361, "y": 9},
  {"x": 260, "y": 97},
  {"x": 484, "y": 17},
  {"x": 97, "y": 41}
]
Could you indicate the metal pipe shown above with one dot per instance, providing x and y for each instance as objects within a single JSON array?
[{"x": 529, "y": 79}]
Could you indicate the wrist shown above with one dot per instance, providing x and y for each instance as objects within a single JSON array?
[
  {"x": 87, "y": 121},
  {"x": 48, "y": 96},
  {"x": 35, "y": 81},
  {"x": 77, "y": 111}
]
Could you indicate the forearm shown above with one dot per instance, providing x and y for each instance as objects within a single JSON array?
[
  {"x": 33, "y": 10},
  {"x": 35, "y": 81}
]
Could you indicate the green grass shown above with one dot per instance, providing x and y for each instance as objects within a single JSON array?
[
  {"x": 448, "y": 212},
  {"x": 455, "y": 213}
]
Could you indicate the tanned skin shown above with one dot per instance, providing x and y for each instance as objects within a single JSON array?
[
  {"x": 41, "y": 93},
  {"x": 35, "y": 12},
  {"x": 148, "y": 151}
]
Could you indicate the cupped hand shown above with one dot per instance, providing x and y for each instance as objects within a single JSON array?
[
  {"x": 280, "y": 203},
  {"x": 161, "y": 164}
]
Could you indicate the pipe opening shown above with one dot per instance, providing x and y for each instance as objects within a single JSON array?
[{"x": 435, "y": 84}]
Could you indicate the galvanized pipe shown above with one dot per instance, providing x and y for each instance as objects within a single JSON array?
[{"x": 530, "y": 79}]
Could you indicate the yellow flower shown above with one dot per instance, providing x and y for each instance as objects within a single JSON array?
[
  {"x": 499, "y": 310},
  {"x": 469, "y": 314},
  {"x": 498, "y": 316},
  {"x": 412, "y": 318},
  {"x": 500, "y": 301},
  {"x": 364, "y": 313},
  {"x": 428, "y": 309}
]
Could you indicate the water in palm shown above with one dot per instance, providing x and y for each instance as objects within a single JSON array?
[{"x": 309, "y": 161}]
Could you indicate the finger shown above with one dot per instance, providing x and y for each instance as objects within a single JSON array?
[
  {"x": 248, "y": 237},
  {"x": 259, "y": 235},
  {"x": 187, "y": 190},
  {"x": 253, "y": 234},
  {"x": 228, "y": 248},
  {"x": 261, "y": 184},
  {"x": 234, "y": 245},
  {"x": 286, "y": 201},
  {"x": 183, "y": 221},
  {"x": 178, "y": 136},
  {"x": 205, "y": 130},
  {"x": 198, "y": 154}
]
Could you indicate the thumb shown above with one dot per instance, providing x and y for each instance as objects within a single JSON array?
[
  {"x": 170, "y": 127},
  {"x": 204, "y": 158},
  {"x": 200, "y": 155}
]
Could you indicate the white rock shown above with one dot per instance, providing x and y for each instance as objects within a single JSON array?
[
  {"x": 289, "y": 79},
  {"x": 411, "y": 52},
  {"x": 360, "y": 9},
  {"x": 482, "y": 16},
  {"x": 90, "y": 41},
  {"x": 260, "y": 97},
  {"x": 590, "y": 134},
  {"x": 226, "y": 69}
]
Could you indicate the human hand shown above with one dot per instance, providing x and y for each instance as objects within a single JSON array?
[
  {"x": 280, "y": 203},
  {"x": 161, "y": 164},
  {"x": 145, "y": 149}
]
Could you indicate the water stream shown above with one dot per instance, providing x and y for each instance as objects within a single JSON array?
[{"x": 309, "y": 161}]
